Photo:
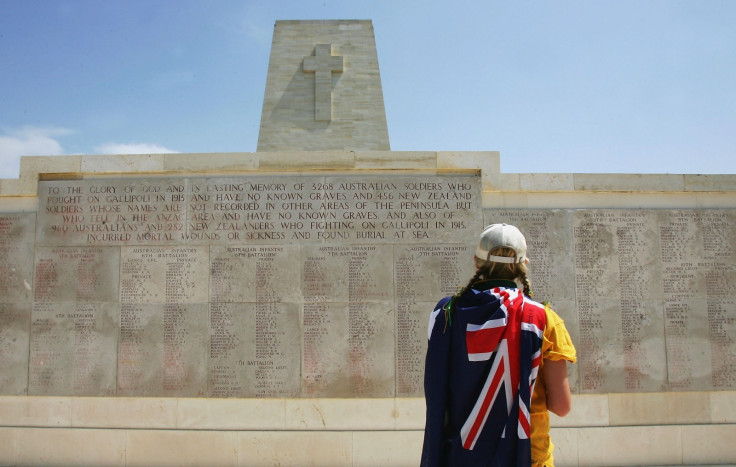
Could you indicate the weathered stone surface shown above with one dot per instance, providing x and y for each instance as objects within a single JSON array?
[
  {"x": 323, "y": 89},
  {"x": 261, "y": 286},
  {"x": 261, "y": 209},
  {"x": 73, "y": 349},
  {"x": 653, "y": 290},
  {"x": 16, "y": 294},
  {"x": 248, "y": 278},
  {"x": 16, "y": 257},
  {"x": 254, "y": 349},
  {"x": 15, "y": 325},
  {"x": 163, "y": 350},
  {"x": 76, "y": 274}
]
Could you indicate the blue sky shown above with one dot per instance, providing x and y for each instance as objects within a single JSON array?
[{"x": 556, "y": 86}]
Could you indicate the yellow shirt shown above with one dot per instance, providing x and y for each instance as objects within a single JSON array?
[{"x": 557, "y": 345}]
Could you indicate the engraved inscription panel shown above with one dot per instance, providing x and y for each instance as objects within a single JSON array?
[
  {"x": 15, "y": 326},
  {"x": 348, "y": 350},
  {"x": 162, "y": 350},
  {"x": 16, "y": 257},
  {"x": 654, "y": 293},
  {"x": 226, "y": 285},
  {"x": 74, "y": 321},
  {"x": 16, "y": 294},
  {"x": 164, "y": 274},
  {"x": 254, "y": 350},
  {"x": 719, "y": 264},
  {"x": 348, "y": 295},
  {"x": 685, "y": 300},
  {"x": 621, "y": 247},
  {"x": 309, "y": 285},
  {"x": 73, "y": 349},
  {"x": 259, "y": 273},
  {"x": 140, "y": 211},
  {"x": 549, "y": 247},
  {"x": 163, "y": 321},
  {"x": 265, "y": 209},
  {"x": 76, "y": 274},
  {"x": 551, "y": 272},
  {"x": 423, "y": 274}
]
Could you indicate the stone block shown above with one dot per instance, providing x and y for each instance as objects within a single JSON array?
[
  {"x": 587, "y": 410},
  {"x": 708, "y": 444},
  {"x": 287, "y": 449},
  {"x": 565, "y": 441},
  {"x": 546, "y": 182},
  {"x": 15, "y": 204},
  {"x": 508, "y": 200},
  {"x": 23, "y": 411},
  {"x": 387, "y": 448},
  {"x": 715, "y": 200},
  {"x": 53, "y": 447},
  {"x": 124, "y": 412},
  {"x": 8, "y": 447},
  {"x": 123, "y": 163},
  {"x": 723, "y": 407},
  {"x": 659, "y": 409},
  {"x": 628, "y": 182},
  {"x": 31, "y": 167},
  {"x": 643, "y": 445},
  {"x": 710, "y": 182},
  {"x": 231, "y": 414},
  {"x": 410, "y": 413},
  {"x": 312, "y": 161},
  {"x": 329, "y": 414},
  {"x": 182, "y": 448},
  {"x": 487, "y": 162},
  {"x": 211, "y": 162},
  {"x": 404, "y": 160}
]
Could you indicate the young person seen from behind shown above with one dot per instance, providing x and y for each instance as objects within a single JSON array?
[{"x": 496, "y": 363}]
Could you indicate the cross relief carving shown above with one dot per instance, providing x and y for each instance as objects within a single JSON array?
[{"x": 323, "y": 64}]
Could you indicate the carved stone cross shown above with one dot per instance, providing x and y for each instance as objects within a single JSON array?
[{"x": 323, "y": 64}]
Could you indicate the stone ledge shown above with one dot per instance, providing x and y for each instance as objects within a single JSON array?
[
  {"x": 487, "y": 161},
  {"x": 589, "y": 410},
  {"x": 606, "y": 200},
  {"x": 584, "y": 446}
]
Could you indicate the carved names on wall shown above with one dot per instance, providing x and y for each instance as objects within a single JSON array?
[
  {"x": 655, "y": 293},
  {"x": 269, "y": 286},
  {"x": 321, "y": 286}
]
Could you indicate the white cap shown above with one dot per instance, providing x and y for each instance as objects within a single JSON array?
[{"x": 501, "y": 235}]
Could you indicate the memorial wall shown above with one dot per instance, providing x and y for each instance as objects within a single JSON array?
[
  {"x": 320, "y": 285},
  {"x": 260, "y": 286},
  {"x": 648, "y": 294}
]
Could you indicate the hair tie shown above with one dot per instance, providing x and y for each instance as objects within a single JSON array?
[{"x": 449, "y": 306}]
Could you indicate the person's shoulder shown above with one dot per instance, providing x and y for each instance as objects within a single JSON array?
[
  {"x": 437, "y": 316},
  {"x": 552, "y": 316},
  {"x": 533, "y": 304},
  {"x": 547, "y": 307}
]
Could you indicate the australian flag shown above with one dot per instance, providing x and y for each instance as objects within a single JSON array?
[{"x": 480, "y": 371}]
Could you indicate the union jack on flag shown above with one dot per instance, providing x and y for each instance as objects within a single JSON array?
[
  {"x": 481, "y": 366},
  {"x": 512, "y": 334}
]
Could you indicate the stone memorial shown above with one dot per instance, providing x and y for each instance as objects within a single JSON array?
[
  {"x": 303, "y": 276},
  {"x": 223, "y": 287}
]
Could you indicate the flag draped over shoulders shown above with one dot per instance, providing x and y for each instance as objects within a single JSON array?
[{"x": 480, "y": 371}]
